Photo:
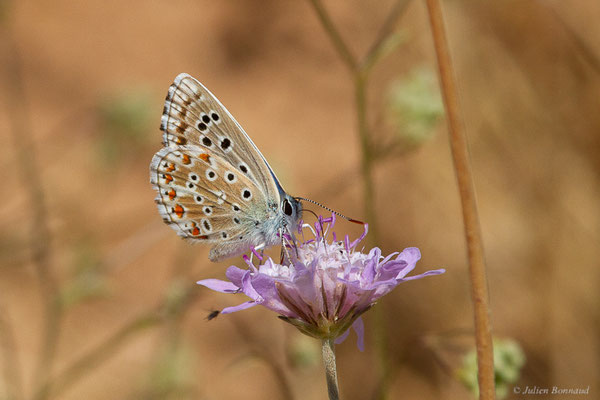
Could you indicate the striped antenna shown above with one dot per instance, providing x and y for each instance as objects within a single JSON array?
[{"x": 330, "y": 210}]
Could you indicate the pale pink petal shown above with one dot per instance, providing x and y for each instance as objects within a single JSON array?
[
  {"x": 219, "y": 285},
  {"x": 243, "y": 306}
]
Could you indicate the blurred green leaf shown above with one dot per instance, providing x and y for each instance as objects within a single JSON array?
[
  {"x": 176, "y": 295},
  {"x": 125, "y": 123},
  {"x": 509, "y": 358},
  {"x": 88, "y": 281},
  {"x": 414, "y": 106},
  {"x": 304, "y": 352},
  {"x": 170, "y": 376}
]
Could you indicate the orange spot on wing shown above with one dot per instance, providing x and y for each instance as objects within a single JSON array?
[
  {"x": 195, "y": 231},
  {"x": 205, "y": 157},
  {"x": 186, "y": 159},
  {"x": 203, "y": 237},
  {"x": 171, "y": 168},
  {"x": 179, "y": 211},
  {"x": 168, "y": 178},
  {"x": 180, "y": 140},
  {"x": 172, "y": 194}
]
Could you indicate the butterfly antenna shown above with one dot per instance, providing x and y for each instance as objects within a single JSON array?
[{"x": 330, "y": 210}]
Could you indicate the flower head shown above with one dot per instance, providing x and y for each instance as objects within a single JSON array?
[{"x": 325, "y": 286}]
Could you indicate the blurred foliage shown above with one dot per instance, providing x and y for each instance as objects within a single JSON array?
[
  {"x": 303, "y": 352},
  {"x": 88, "y": 280},
  {"x": 509, "y": 358},
  {"x": 176, "y": 295},
  {"x": 125, "y": 120},
  {"x": 170, "y": 375},
  {"x": 414, "y": 106}
]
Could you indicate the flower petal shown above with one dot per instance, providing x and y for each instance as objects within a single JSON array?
[
  {"x": 342, "y": 337},
  {"x": 359, "y": 328},
  {"x": 219, "y": 285},
  {"x": 235, "y": 275},
  {"x": 248, "y": 289},
  {"x": 243, "y": 306},
  {"x": 370, "y": 269},
  {"x": 409, "y": 255},
  {"x": 433, "y": 272}
]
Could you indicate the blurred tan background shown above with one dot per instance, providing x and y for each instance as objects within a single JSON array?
[{"x": 83, "y": 85}]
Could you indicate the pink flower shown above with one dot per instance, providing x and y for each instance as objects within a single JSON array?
[{"x": 326, "y": 287}]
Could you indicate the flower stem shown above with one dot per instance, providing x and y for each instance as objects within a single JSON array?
[
  {"x": 330, "y": 369},
  {"x": 460, "y": 154}
]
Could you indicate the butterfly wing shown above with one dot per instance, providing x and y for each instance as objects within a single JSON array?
[
  {"x": 193, "y": 115},
  {"x": 213, "y": 184}
]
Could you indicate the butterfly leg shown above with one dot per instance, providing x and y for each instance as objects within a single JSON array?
[
  {"x": 287, "y": 243},
  {"x": 291, "y": 241}
]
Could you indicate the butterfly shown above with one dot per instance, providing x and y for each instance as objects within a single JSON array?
[{"x": 214, "y": 186}]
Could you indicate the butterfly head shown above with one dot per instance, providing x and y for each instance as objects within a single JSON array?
[{"x": 291, "y": 209}]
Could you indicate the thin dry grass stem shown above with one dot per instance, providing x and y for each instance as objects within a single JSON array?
[
  {"x": 340, "y": 45},
  {"x": 17, "y": 112},
  {"x": 11, "y": 367},
  {"x": 386, "y": 31},
  {"x": 103, "y": 351},
  {"x": 458, "y": 144}
]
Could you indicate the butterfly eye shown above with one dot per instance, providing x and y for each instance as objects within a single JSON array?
[{"x": 287, "y": 208}]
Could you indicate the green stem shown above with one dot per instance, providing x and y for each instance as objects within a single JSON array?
[
  {"x": 330, "y": 369},
  {"x": 339, "y": 44},
  {"x": 40, "y": 235},
  {"x": 360, "y": 84}
]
